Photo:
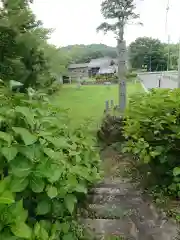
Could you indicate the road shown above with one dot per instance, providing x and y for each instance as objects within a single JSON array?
[{"x": 151, "y": 80}]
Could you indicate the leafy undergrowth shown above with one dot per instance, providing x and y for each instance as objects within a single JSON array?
[
  {"x": 152, "y": 136},
  {"x": 45, "y": 170},
  {"x": 152, "y": 131}
]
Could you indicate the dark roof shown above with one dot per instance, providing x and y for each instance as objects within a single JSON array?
[
  {"x": 78, "y": 65},
  {"x": 107, "y": 70},
  {"x": 115, "y": 60},
  {"x": 100, "y": 62}
]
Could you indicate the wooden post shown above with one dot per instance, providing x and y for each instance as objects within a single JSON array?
[
  {"x": 159, "y": 82},
  {"x": 106, "y": 106}
]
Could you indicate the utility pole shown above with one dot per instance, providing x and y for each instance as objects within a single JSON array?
[
  {"x": 150, "y": 64},
  {"x": 168, "y": 60},
  {"x": 121, "y": 51},
  {"x": 179, "y": 67},
  {"x": 167, "y": 32}
]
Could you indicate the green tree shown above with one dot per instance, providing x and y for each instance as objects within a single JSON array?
[
  {"x": 21, "y": 35},
  {"x": 84, "y": 53},
  {"x": 173, "y": 55},
  {"x": 122, "y": 12},
  {"x": 148, "y": 53},
  {"x": 56, "y": 65}
]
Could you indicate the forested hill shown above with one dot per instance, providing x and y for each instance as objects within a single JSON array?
[{"x": 84, "y": 53}]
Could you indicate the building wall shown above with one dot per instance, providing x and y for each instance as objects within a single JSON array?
[{"x": 76, "y": 73}]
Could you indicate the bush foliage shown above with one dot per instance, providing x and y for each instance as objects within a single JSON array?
[
  {"x": 111, "y": 129},
  {"x": 152, "y": 131},
  {"x": 54, "y": 87},
  {"x": 106, "y": 78},
  {"x": 131, "y": 75},
  {"x": 45, "y": 169}
]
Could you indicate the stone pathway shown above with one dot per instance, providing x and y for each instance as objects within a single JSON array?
[{"x": 117, "y": 210}]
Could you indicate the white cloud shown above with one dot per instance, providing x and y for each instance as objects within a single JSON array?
[{"x": 75, "y": 21}]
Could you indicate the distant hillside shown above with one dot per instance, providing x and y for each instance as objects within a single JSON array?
[{"x": 84, "y": 53}]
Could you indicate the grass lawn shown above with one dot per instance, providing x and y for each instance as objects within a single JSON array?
[{"x": 87, "y": 103}]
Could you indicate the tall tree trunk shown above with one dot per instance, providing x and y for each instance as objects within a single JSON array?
[{"x": 121, "y": 49}]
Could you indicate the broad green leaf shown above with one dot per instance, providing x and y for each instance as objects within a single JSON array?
[
  {"x": 25, "y": 111},
  {"x": 154, "y": 154},
  {"x": 8, "y": 236},
  {"x": 57, "y": 207},
  {"x": 56, "y": 175},
  {"x": 21, "y": 167},
  {"x": 37, "y": 229},
  {"x": 6, "y": 137},
  {"x": 44, "y": 234},
  {"x": 26, "y": 136},
  {"x": 18, "y": 184},
  {"x": 46, "y": 224},
  {"x": 6, "y": 197},
  {"x": 70, "y": 201},
  {"x": 37, "y": 184},
  {"x": 65, "y": 227},
  {"x": 2, "y": 119},
  {"x": 18, "y": 212},
  {"x": 81, "y": 188},
  {"x": 60, "y": 142},
  {"x": 32, "y": 152},
  {"x": 72, "y": 181},
  {"x": 40, "y": 232},
  {"x": 176, "y": 171},
  {"x": 52, "y": 154},
  {"x": 22, "y": 230},
  {"x": 47, "y": 169},
  {"x": 14, "y": 83},
  {"x": 9, "y": 152},
  {"x": 146, "y": 159},
  {"x": 52, "y": 191},
  {"x": 43, "y": 207},
  {"x": 4, "y": 184},
  {"x": 45, "y": 134},
  {"x": 68, "y": 236}
]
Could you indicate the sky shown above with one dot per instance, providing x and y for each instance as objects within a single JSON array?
[{"x": 75, "y": 21}]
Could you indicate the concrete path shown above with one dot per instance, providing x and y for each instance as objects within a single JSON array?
[
  {"x": 151, "y": 80},
  {"x": 117, "y": 209}
]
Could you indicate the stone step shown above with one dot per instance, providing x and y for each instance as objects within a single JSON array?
[
  {"x": 109, "y": 229},
  {"x": 133, "y": 208},
  {"x": 127, "y": 229},
  {"x": 114, "y": 181},
  {"x": 114, "y": 199},
  {"x": 108, "y": 211},
  {"x": 123, "y": 190}
]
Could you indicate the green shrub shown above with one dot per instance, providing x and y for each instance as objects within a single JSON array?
[
  {"x": 45, "y": 170},
  {"x": 131, "y": 75},
  {"x": 111, "y": 130},
  {"x": 55, "y": 87},
  {"x": 104, "y": 78},
  {"x": 153, "y": 134},
  {"x": 88, "y": 80}
]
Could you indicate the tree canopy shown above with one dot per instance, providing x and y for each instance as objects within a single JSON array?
[
  {"x": 121, "y": 11},
  {"x": 84, "y": 53},
  {"x": 25, "y": 54},
  {"x": 148, "y": 53}
]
